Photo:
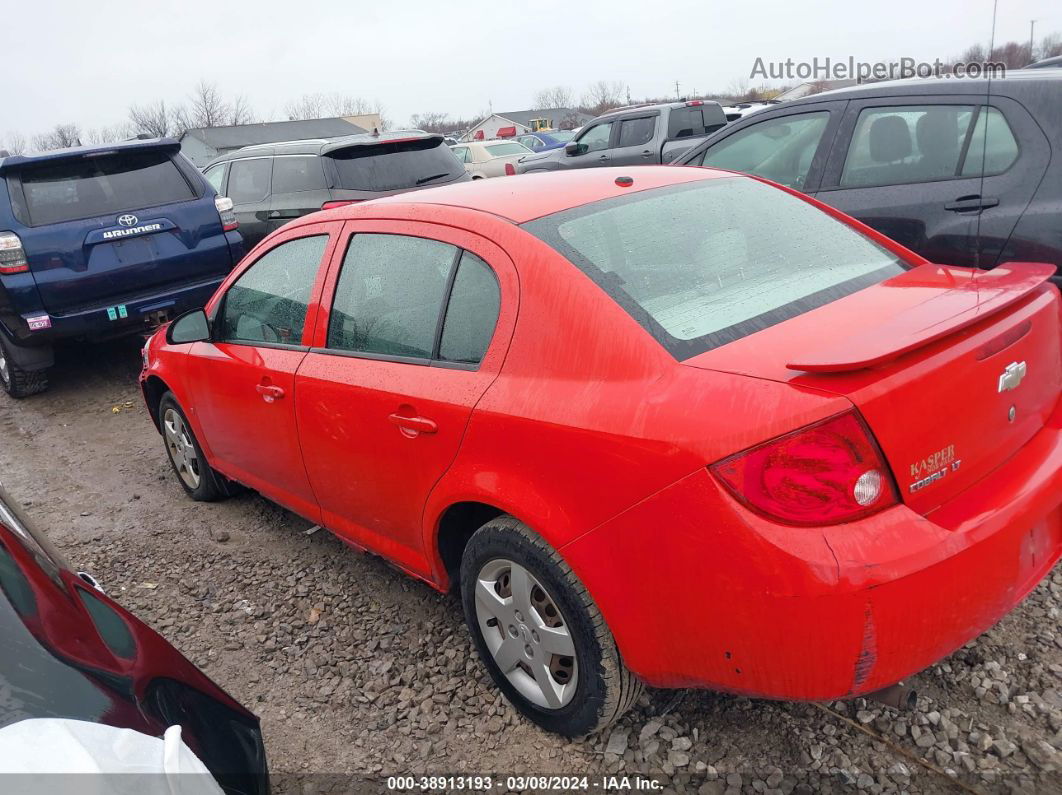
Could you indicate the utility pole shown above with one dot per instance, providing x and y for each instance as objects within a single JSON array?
[
  {"x": 677, "y": 94},
  {"x": 628, "y": 93},
  {"x": 1032, "y": 27}
]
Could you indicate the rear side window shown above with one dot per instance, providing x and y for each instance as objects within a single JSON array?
[
  {"x": 66, "y": 190},
  {"x": 249, "y": 180},
  {"x": 697, "y": 266},
  {"x": 215, "y": 176},
  {"x": 504, "y": 150},
  {"x": 296, "y": 173},
  {"x": 780, "y": 149},
  {"x": 389, "y": 295},
  {"x": 925, "y": 143},
  {"x": 694, "y": 121},
  {"x": 635, "y": 132},
  {"x": 268, "y": 302},
  {"x": 395, "y": 165},
  {"x": 471, "y": 313}
]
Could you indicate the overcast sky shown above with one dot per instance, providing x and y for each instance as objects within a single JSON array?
[{"x": 86, "y": 61}]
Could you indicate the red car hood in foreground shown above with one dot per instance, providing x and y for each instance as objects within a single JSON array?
[{"x": 954, "y": 369}]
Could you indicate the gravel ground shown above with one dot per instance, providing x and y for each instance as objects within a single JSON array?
[{"x": 356, "y": 669}]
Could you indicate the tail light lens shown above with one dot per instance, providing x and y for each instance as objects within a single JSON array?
[
  {"x": 826, "y": 473},
  {"x": 510, "y": 170},
  {"x": 228, "y": 217},
  {"x": 344, "y": 203},
  {"x": 12, "y": 255}
]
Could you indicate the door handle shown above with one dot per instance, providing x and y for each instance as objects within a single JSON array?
[
  {"x": 270, "y": 392},
  {"x": 413, "y": 425},
  {"x": 647, "y": 153},
  {"x": 965, "y": 204},
  {"x": 603, "y": 157}
]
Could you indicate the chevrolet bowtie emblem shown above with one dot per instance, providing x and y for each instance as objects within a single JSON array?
[{"x": 1012, "y": 376}]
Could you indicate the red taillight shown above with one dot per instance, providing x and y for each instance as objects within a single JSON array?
[
  {"x": 228, "y": 217},
  {"x": 12, "y": 255},
  {"x": 510, "y": 170},
  {"x": 333, "y": 205},
  {"x": 694, "y": 103},
  {"x": 826, "y": 473}
]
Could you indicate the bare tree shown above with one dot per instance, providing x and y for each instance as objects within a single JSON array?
[
  {"x": 154, "y": 119},
  {"x": 603, "y": 95},
  {"x": 1050, "y": 46},
  {"x": 432, "y": 121},
  {"x": 104, "y": 135},
  {"x": 554, "y": 97},
  {"x": 61, "y": 137},
  {"x": 322, "y": 106},
  {"x": 205, "y": 108},
  {"x": 15, "y": 143},
  {"x": 239, "y": 111}
]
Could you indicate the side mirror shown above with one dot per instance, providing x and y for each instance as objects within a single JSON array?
[
  {"x": 190, "y": 327},
  {"x": 574, "y": 148}
]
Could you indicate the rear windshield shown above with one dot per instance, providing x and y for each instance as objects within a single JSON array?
[
  {"x": 504, "y": 150},
  {"x": 392, "y": 166},
  {"x": 107, "y": 184},
  {"x": 703, "y": 264}
]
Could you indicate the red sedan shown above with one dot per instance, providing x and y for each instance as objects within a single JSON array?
[{"x": 670, "y": 425}]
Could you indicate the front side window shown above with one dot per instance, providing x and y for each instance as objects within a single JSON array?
[
  {"x": 68, "y": 189},
  {"x": 297, "y": 173},
  {"x": 461, "y": 153},
  {"x": 268, "y": 302},
  {"x": 779, "y": 149},
  {"x": 697, "y": 266},
  {"x": 216, "y": 177},
  {"x": 249, "y": 180},
  {"x": 389, "y": 295},
  {"x": 597, "y": 137},
  {"x": 635, "y": 132}
]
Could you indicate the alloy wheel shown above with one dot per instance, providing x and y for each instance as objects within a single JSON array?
[
  {"x": 180, "y": 448},
  {"x": 5, "y": 372},
  {"x": 526, "y": 634}
]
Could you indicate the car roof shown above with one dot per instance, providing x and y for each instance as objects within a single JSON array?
[
  {"x": 12, "y": 161},
  {"x": 524, "y": 198},
  {"x": 933, "y": 85}
]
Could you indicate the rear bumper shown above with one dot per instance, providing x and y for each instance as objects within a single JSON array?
[
  {"x": 701, "y": 593},
  {"x": 141, "y": 313}
]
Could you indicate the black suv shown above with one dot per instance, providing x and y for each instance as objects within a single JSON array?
[
  {"x": 273, "y": 183},
  {"x": 962, "y": 171}
]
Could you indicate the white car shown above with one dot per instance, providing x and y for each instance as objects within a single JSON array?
[{"x": 484, "y": 159}]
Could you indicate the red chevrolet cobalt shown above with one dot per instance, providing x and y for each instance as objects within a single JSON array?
[{"x": 669, "y": 425}]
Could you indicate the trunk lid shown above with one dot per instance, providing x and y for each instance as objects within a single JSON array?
[
  {"x": 101, "y": 228},
  {"x": 953, "y": 369}
]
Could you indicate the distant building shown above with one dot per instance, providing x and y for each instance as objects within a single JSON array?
[
  {"x": 518, "y": 122},
  {"x": 367, "y": 121},
  {"x": 204, "y": 144}
]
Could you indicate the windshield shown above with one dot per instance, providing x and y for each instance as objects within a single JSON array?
[
  {"x": 705, "y": 263},
  {"x": 395, "y": 165}
]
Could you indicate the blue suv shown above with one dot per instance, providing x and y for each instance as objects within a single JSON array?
[{"x": 103, "y": 241}]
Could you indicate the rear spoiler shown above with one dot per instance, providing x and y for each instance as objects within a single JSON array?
[
  {"x": 19, "y": 161},
  {"x": 954, "y": 299},
  {"x": 353, "y": 141}
]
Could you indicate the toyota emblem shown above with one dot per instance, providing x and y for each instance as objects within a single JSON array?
[{"x": 127, "y": 220}]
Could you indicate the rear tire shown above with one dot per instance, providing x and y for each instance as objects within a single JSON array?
[
  {"x": 199, "y": 480},
  {"x": 529, "y": 614},
  {"x": 17, "y": 382}
]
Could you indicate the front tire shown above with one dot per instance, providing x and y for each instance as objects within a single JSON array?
[
  {"x": 17, "y": 382},
  {"x": 196, "y": 476},
  {"x": 539, "y": 633}
]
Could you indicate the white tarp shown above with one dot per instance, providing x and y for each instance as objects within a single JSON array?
[{"x": 34, "y": 753}]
